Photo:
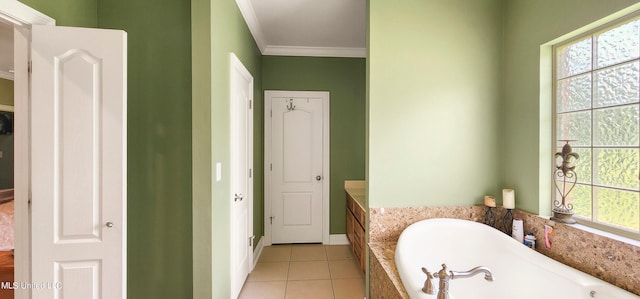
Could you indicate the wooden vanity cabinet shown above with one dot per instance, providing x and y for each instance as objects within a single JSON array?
[{"x": 356, "y": 230}]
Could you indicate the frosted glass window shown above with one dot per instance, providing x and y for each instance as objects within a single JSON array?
[
  {"x": 618, "y": 44},
  {"x": 574, "y": 58},
  {"x": 574, "y": 93},
  {"x": 575, "y": 126},
  {"x": 580, "y": 198},
  {"x": 597, "y": 106},
  {"x": 616, "y": 126},
  {"x": 618, "y": 207},
  {"x": 617, "y": 85},
  {"x": 616, "y": 168}
]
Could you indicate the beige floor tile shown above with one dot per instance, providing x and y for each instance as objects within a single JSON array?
[
  {"x": 276, "y": 253},
  {"x": 269, "y": 271},
  {"x": 263, "y": 290},
  {"x": 309, "y": 270},
  {"x": 339, "y": 252},
  {"x": 348, "y": 288},
  {"x": 344, "y": 269},
  {"x": 309, "y": 289},
  {"x": 308, "y": 253}
]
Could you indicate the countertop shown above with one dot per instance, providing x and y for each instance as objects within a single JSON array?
[{"x": 358, "y": 191}]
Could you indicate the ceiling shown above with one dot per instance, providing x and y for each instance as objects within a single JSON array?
[{"x": 334, "y": 28}]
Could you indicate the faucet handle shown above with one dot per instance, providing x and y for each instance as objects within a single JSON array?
[{"x": 428, "y": 286}]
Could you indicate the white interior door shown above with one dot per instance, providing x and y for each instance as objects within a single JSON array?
[
  {"x": 78, "y": 152},
  {"x": 297, "y": 168},
  {"x": 241, "y": 95}
]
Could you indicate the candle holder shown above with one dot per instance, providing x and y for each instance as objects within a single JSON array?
[
  {"x": 507, "y": 222},
  {"x": 490, "y": 217},
  {"x": 565, "y": 179}
]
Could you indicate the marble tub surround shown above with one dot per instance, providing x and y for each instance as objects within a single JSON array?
[
  {"x": 386, "y": 224},
  {"x": 384, "y": 278},
  {"x": 611, "y": 260}
]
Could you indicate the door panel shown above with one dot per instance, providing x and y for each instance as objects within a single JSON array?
[
  {"x": 297, "y": 178},
  {"x": 78, "y": 146},
  {"x": 241, "y": 96}
]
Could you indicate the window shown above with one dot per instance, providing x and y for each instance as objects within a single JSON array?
[{"x": 597, "y": 106}]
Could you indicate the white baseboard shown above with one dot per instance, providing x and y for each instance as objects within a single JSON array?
[
  {"x": 340, "y": 239},
  {"x": 257, "y": 252}
]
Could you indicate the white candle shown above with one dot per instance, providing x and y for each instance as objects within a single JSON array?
[{"x": 508, "y": 198}]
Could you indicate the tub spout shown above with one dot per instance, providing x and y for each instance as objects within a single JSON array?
[
  {"x": 488, "y": 276},
  {"x": 444, "y": 276}
]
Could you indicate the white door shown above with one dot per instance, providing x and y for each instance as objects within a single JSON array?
[
  {"x": 241, "y": 96},
  {"x": 78, "y": 144},
  {"x": 297, "y": 168}
]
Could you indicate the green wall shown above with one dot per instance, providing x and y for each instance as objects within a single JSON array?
[
  {"x": 218, "y": 29},
  {"x": 159, "y": 242},
  {"x": 527, "y": 147},
  {"x": 79, "y": 13},
  {"x": 434, "y": 91},
  {"x": 344, "y": 78},
  {"x": 6, "y": 92}
]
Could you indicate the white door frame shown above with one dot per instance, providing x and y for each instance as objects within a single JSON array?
[
  {"x": 268, "y": 95},
  {"x": 22, "y": 17}
]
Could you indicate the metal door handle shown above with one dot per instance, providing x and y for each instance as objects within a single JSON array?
[
  {"x": 318, "y": 178},
  {"x": 109, "y": 224},
  {"x": 238, "y": 197}
]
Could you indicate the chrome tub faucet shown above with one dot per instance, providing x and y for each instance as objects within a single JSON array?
[{"x": 444, "y": 276}]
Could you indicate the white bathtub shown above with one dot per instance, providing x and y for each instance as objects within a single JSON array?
[{"x": 519, "y": 271}]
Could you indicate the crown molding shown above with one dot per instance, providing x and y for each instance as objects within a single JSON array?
[
  {"x": 19, "y": 14},
  {"x": 6, "y": 75},
  {"x": 250, "y": 18},
  {"x": 249, "y": 15},
  {"x": 315, "y": 51}
]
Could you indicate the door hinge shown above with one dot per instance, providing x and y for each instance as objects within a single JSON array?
[
  {"x": 250, "y": 241},
  {"x": 250, "y": 172},
  {"x": 270, "y": 113},
  {"x": 271, "y": 219},
  {"x": 271, "y": 167},
  {"x": 250, "y": 101},
  {"x": 29, "y": 66}
]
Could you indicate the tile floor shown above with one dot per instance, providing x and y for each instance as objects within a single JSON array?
[{"x": 305, "y": 272}]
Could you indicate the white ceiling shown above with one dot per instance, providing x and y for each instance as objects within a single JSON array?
[{"x": 307, "y": 27}]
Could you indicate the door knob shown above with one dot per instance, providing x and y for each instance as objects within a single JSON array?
[
  {"x": 109, "y": 224},
  {"x": 318, "y": 178}
]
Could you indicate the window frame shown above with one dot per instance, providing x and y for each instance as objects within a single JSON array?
[{"x": 629, "y": 233}]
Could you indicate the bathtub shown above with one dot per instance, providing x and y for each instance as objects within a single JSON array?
[{"x": 518, "y": 271}]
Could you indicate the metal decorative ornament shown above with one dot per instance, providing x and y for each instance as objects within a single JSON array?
[{"x": 565, "y": 179}]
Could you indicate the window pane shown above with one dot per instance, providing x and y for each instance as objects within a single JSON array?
[
  {"x": 580, "y": 197},
  {"x": 583, "y": 165},
  {"x": 617, "y": 85},
  {"x": 618, "y": 44},
  {"x": 619, "y": 208},
  {"x": 617, "y": 167},
  {"x": 574, "y": 93},
  {"x": 575, "y": 126},
  {"x": 574, "y": 59},
  {"x": 616, "y": 126}
]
